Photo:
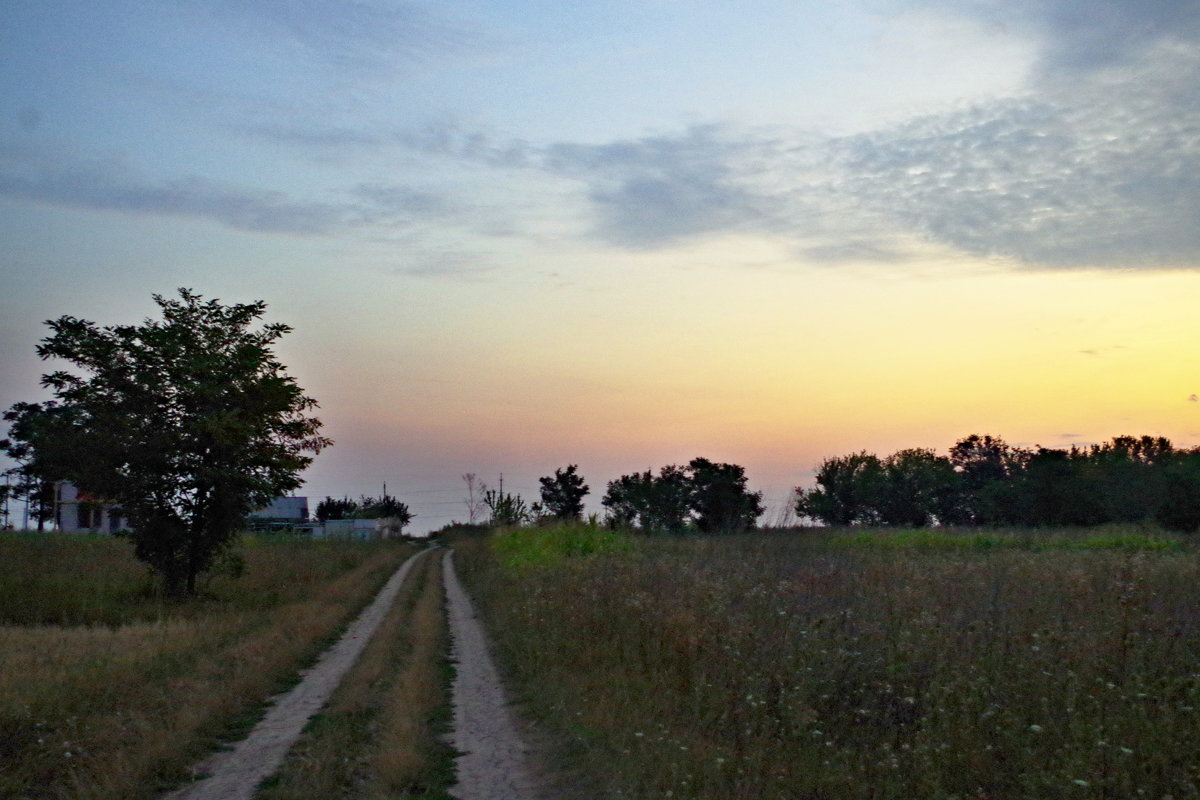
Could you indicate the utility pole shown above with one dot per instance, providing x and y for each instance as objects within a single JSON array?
[{"x": 502, "y": 484}]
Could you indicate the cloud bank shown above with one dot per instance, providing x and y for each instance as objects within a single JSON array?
[
  {"x": 1096, "y": 165},
  {"x": 107, "y": 184}
]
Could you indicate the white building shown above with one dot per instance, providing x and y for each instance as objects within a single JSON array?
[
  {"x": 79, "y": 512},
  {"x": 289, "y": 509}
]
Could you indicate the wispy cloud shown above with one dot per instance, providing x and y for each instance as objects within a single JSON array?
[
  {"x": 445, "y": 265},
  {"x": 108, "y": 184},
  {"x": 1086, "y": 35},
  {"x": 1096, "y": 165},
  {"x": 1103, "y": 174},
  {"x": 658, "y": 190},
  {"x": 365, "y": 35}
]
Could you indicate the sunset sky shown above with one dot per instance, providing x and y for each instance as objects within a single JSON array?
[{"x": 516, "y": 235}]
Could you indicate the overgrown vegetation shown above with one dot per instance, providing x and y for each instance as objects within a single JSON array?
[
  {"x": 108, "y": 691},
  {"x": 863, "y": 664}
]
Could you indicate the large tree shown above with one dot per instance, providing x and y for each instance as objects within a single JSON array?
[
  {"x": 186, "y": 423},
  {"x": 720, "y": 499},
  {"x": 848, "y": 491},
  {"x": 652, "y": 502}
]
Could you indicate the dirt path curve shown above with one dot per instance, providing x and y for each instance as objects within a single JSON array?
[
  {"x": 235, "y": 774},
  {"x": 494, "y": 764}
]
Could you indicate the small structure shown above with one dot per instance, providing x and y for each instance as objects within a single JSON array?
[
  {"x": 77, "y": 511},
  {"x": 284, "y": 513}
]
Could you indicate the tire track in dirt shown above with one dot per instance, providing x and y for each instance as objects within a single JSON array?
[
  {"x": 236, "y": 773},
  {"x": 493, "y": 763}
]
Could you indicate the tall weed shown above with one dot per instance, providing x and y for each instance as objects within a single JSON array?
[{"x": 812, "y": 667}]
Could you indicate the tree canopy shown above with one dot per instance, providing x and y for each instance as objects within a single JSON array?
[
  {"x": 985, "y": 481},
  {"x": 562, "y": 494},
  {"x": 186, "y": 423},
  {"x": 711, "y": 496}
]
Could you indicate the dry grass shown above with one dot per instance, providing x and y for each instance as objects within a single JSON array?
[
  {"x": 377, "y": 738},
  {"x": 803, "y": 667},
  {"x": 121, "y": 710}
]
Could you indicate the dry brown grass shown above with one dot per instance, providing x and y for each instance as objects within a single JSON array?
[
  {"x": 377, "y": 738},
  {"x": 99, "y": 713},
  {"x": 804, "y": 667}
]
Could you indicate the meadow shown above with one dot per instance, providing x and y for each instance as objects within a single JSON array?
[
  {"x": 856, "y": 663},
  {"x": 109, "y": 691}
]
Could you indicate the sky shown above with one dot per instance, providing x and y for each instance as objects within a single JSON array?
[{"x": 515, "y": 235}]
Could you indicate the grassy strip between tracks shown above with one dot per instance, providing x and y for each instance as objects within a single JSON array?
[
  {"x": 379, "y": 735},
  {"x": 859, "y": 665},
  {"x": 108, "y": 692}
]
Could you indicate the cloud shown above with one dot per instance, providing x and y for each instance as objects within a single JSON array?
[
  {"x": 1101, "y": 176},
  {"x": 444, "y": 139},
  {"x": 1085, "y": 35},
  {"x": 457, "y": 266},
  {"x": 364, "y": 35},
  {"x": 657, "y": 190},
  {"x": 1103, "y": 173},
  {"x": 107, "y": 184}
]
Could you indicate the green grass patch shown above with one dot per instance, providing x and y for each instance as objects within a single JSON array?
[{"x": 546, "y": 546}]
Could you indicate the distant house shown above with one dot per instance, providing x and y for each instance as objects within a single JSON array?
[
  {"x": 76, "y": 511},
  {"x": 283, "y": 509}
]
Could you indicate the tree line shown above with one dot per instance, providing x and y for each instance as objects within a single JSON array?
[
  {"x": 189, "y": 422},
  {"x": 702, "y": 495},
  {"x": 985, "y": 481}
]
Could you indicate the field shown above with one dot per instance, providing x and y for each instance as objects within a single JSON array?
[
  {"x": 107, "y": 691},
  {"x": 857, "y": 664}
]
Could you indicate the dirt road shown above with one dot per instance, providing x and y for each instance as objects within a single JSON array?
[
  {"x": 494, "y": 763},
  {"x": 234, "y": 774}
]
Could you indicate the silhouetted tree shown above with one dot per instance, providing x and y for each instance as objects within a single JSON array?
[
  {"x": 476, "y": 489},
  {"x": 562, "y": 495},
  {"x": 506, "y": 508},
  {"x": 917, "y": 487},
  {"x": 387, "y": 507},
  {"x": 987, "y": 465},
  {"x": 333, "y": 508},
  {"x": 1180, "y": 509},
  {"x": 847, "y": 493},
  {"x": 720, "y": 499},
  {"x": 40, "y": 442},
  {"x": 1129, "y": 476},
  {"x": 651, "y": 502}
]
